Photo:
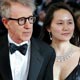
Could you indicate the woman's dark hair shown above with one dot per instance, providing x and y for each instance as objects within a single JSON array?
[{"x": 48, "y": 19}]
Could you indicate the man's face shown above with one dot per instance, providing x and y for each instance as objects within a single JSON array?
[{"x": 20, "y": 33}]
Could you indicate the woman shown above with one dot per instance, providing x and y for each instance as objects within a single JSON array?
[{"x": 59, "y": 25}]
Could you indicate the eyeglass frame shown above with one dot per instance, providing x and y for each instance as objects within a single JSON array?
[{"x": 25, "y": 19}]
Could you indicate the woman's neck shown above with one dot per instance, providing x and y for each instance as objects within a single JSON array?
[{"x": 61, "y": 47}]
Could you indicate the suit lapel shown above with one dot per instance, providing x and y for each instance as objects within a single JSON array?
[
  {"x": 36, "y": 61},
  {"x": 5, "y": 70}
]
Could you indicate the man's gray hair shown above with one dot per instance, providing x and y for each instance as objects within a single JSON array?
[{"x": 5, "y": 6}]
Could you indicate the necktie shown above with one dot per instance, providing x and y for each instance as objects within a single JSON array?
[{"x": 22, "y": 48}]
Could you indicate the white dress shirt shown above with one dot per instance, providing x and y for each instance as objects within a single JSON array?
[{"x": 19, "y": 63}]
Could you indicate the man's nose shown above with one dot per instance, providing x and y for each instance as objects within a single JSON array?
[{"x": 27, "y": 24}]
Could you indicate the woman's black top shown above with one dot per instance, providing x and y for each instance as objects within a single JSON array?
[{"x": 75, "y": 74}]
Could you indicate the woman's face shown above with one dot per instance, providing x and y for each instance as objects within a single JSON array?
[{"x": 62, "y": 25}]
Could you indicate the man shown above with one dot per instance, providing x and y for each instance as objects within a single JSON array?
[{"x": 35, "y": 63}]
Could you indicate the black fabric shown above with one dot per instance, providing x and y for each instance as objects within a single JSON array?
[
  {"x": 75, "y": 74},
  {"x": 42, "y": 58},
  {"x": 22, "y": 48}
]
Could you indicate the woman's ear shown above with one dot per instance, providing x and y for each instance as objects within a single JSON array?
[{"x": 48, "y": 29}]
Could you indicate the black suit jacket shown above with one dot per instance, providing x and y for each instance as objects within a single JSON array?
[{"x": 41, "y": 61}]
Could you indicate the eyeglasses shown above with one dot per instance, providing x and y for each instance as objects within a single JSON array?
[{"x": 21, "y": 21}]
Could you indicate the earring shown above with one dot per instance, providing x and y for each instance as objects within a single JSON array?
[{"x": 50, "y": 34}]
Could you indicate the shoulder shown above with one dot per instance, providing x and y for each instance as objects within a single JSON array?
[
  {"x": 3, "y": 39},
  {"x": 43, "y": 47},
  {"x": 76, "y": 50}
]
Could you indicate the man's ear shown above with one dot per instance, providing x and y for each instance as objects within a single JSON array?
[{"x": 5, "y": 22}]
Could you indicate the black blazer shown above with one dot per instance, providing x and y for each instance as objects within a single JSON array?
[{"x": 41, "y": 61}]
